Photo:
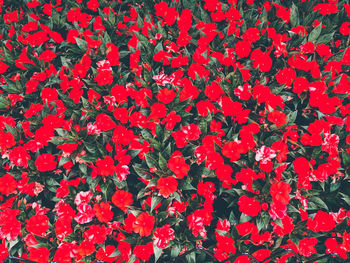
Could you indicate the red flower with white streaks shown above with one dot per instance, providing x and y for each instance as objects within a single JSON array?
[
  {"x": 83, "y": 198},
  {"x": 330, "y": 144},
  {"x": 265, "y": 154},
  {"x": 163, "y": 79},
  {"x": 163, "y": 235},
  {"x": 196, "y": 224}
]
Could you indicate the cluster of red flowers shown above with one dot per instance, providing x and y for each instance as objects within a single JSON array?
[{"x": 136, "y": 131}]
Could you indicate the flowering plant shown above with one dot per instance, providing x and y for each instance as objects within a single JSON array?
[{"x": 136, "y": 131}]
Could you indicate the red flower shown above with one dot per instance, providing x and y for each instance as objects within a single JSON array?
[
  {"x": 178, "y": 165},
  {"x": 144, "y": 252},
  {"x": 38, "y": 224},
  {"x": 104, "y": 77},
  {"x": 122, "y": 199},
  {"x": 171, "y": 120},
  {"x": 321, "y": 222},
  {"x": 3, "y": 67},
  {"x": 286, "y": 76},
  {"x": 63, "y": 227},
  {"x": 45, "y": 162},
  {"x": 3, "y": 249},
  {"x": 103, "y": 212},
  {"x": 246, "y": 228},
  {"x": 162, "y": 55},
  {"x": 112, "y": 54},
  {"x": 39, "y": 255},
  {"x": 243, "y": 48},
  {"x": 261, "y": 60},
  {"x": 345, "y": 28},
  {"x": 86, "y": 248},
  {"x": 191, "y": 132},
  {"x": 225, "y": 244},
  {"x": 158, "y": 111},
  {"x": 306, "y": 246},
  {"x": 166, "y": 95},
  {"x": 197, "y": 70},
  {"x": 325, "y": 9},
  {"x": 143, "y": 224},
  {"x": 8, "y": 184},
  {"x": 249, "y": 206},
  {"x": 213, "y": 91},
  {"x": 105, "y": 167},
  {"x": 167, "y": 13},
  {"x": 283, "y": 13},
  {"x": 47, "y": 55},
  {"x": 277, "y": 117},
  {"x": 10, "y": 227},
  {"x": 286, "y": 228},
  {"x": 300, "y": 85},
  {"x": 97, "y": 234},
  {"x": 251, "y": 35},
  {"x": 19, "y": 156},
  {"x": 280, "y": 192},
  {"x": 262, "y": 254},
  {"x": 163, "y": 235},
  {"x": 332, "y": 246},
  {"x": 106, "y": 254},
  {"x": 231, "y": 150},
  {"x": 104, "y": 122},
  {"x": 167, "y": 185}
]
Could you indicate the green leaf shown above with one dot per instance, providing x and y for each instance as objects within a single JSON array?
[
  {"x": 325, "y": 39},
  {"x": 314, "y": 34},
  {"x": 294, "y": 16},
  {"x": 292, "y": 117},
  {"x": 82, "y": 44},
  {"x": 162, "y": 162},
  {"x": 318, "y": 202},
  {"x": 159, "y": 47},
  {"x": 132, "y": 258},
  {"x": 175, "y": 251},
  {"x": 334, "y": 187},
  {"x": 346, "y": 158},
  {"x": 157, "y": 252},
  {"x": 83, "y": 168},
  {"x": 51, "y": 182},
  {"x": 188, "y": 186},
  {"x": 191, "y": 258},
  {"x": 4, "y": 103},
  {"x": 155, "y": 201},
  {"x": 89, "y": 158},
  {"x": 151, "y": 162}
]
